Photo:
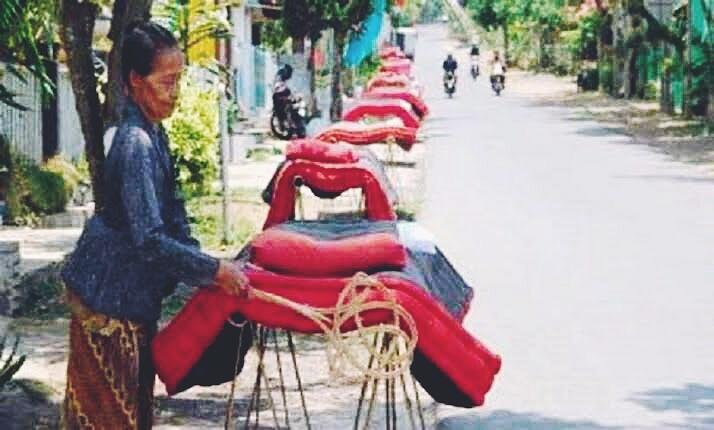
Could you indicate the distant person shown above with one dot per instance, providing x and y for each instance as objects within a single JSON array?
[
  {"x": 498, "y": 68},
  {"x": 475, "y": 54}
]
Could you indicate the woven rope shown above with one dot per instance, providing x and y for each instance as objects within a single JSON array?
[{"x": 351, "y": 304}]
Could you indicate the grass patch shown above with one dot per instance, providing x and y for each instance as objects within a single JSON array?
[
  {"x": 36, "y": 391},
  {"x": 406, "y": 214},
  {"x": 262, "y": 154},
  {"x": 245, "y": 218}
]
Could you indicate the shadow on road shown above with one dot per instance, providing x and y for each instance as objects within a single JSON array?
[
  {"x": 672, "y": 178},
  {"x": 694, "y": 401},
  {"x": 502, "y": 419},
  {"x": 601, "y": 131}
]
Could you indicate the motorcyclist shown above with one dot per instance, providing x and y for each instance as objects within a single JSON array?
[
  {"x": 475, "y": 57},
  {"x": 282, "y": 96},
  {"x": 450, "y": 65},
  {"x": 498, "y": 69}
]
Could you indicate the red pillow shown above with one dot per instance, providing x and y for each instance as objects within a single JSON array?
[
  {"x": 320, "y": 152},
  {"x": 293, "y": 253}
]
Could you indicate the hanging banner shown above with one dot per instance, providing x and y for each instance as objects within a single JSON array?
[{"x": 362, "y": 44}]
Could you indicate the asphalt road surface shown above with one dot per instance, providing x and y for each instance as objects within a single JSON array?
[{"x": 592, "y": 260}]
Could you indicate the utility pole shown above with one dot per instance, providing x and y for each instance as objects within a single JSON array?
[
  {"x": 223, "y": 153},
  {"x": 224, "y": 80}
]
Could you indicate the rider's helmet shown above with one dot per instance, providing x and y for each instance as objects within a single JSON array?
[{"x": 285, "y": 72}]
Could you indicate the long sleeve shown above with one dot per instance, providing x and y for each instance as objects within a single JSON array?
[
  {"x": 180, "y": 227},
  {"x": 149, "y": 235}
]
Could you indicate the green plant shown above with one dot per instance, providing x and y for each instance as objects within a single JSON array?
[
  {"x": 274, "y": 36},
  {"x": 193, "y": 135},
  {"x": 25, "y": 24},
  {"x": 368, "y": 68},
  {"x": 194, "y": 22},
  {"x": 43, "y": 301},
  {"x": 47, "y": 191},
  {"x": 606, "y": 77},
  {"x": 10, "y": 364},
  {"x": 32, "y": 190},
  {"x": 650, "y": 91},
  {"x": 206, "y": 223},
  {"x": 68, "y": 171}
]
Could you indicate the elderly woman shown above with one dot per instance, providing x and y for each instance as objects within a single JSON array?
[{"x": 132, "y": 253}]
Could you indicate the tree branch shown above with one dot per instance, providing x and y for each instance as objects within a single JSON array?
[{"x": 654, "y": 27}]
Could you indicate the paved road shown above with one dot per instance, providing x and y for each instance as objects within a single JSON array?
[{"x": 592, "y": 259}]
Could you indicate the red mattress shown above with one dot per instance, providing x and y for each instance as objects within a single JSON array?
[
  {"x": 410, "y": 97},
  {"x": 373, "y": 108},
  {"x": 397, "y": 65},
  {"x": 367, "y": 134},
  {"x": 293, "y": 253},
  {"x": 458, "y": 357},
  {"x": 328, "y": 178},
  {"x": 391, "y": 52},
  {"x": 321, "y": 151},
  {"x": 389, "y": 80}
]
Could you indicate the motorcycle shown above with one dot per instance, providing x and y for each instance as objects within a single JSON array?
[
  {"x": 497, "y": 82},
  {"x": 475, "y": 70},
  {"x": 289, "y": 118},
  {"x": 450, "y": 83}
]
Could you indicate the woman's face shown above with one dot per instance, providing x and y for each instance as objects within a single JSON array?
[{"x": 157, "y": 93}]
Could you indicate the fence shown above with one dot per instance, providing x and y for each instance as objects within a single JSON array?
[
  {"x": 70, "y": 138},
  {"x": 22, "y": 128}
]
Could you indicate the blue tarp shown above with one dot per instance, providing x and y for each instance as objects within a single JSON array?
[{"x": 362, "y": 44}]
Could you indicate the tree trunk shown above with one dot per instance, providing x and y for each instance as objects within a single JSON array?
[
  {"x": 298, "y": 46},
  {"x": 665, "y": 103},
  {"x": 311, "y": 67},
  {"x": 619, "y": 25},
  {"x": 124, "y": 13},
  {"x": 631, "y": 73},
  {"x": 348, "y": 86},
  {"x": 687, "y": 105},
  {"x": 76, "y": 31},
  {"x": 336, "y": 106}
]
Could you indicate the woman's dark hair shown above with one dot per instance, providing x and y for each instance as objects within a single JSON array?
[{"x": 142, "y": 42}]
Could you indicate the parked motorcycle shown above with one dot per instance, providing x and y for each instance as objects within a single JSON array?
[
  {"x": 450, "y": 84},
  {"x": 289, "y": 118}
]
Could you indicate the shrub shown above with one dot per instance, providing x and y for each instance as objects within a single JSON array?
[
  {"x": 47, "y": 191},
  {"x": 193, "y": 135},
  {"x": 606, "y": 78},
  {"x": 32, "y": 191},
  {"x": 367, "y": 69},
  {"x": 68, "y": 171}
]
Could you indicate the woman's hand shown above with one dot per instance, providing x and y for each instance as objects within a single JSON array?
[{"x": 231, "y": 279}]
